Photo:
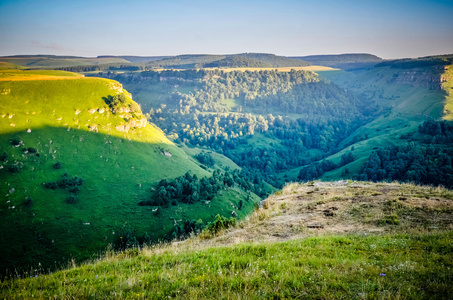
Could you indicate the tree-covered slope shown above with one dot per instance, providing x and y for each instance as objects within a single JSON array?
[
  {"x": 275, "y": 60},
  {"x": 237, "y": 61},
  {"x": 77, "y": 158},
  {"x": 410, "y": 93}
]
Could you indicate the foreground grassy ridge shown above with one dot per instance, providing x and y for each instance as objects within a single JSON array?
[
  {"x": 329, "y": 267},
  {"x": 409, "y": 260}
]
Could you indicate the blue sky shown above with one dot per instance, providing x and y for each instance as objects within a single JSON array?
[{"x": 390, "y": 29}]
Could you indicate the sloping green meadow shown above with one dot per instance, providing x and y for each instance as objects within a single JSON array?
[{"x": 54, "y": 127}]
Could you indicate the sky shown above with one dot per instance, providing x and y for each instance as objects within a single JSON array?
[{"x": 389, "y": 29}]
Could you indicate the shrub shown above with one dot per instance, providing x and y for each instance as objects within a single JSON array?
[
  {"x": 220, "y": 223},
  {"x": 71, "y": 199},
  {"x": 31, "y": 150},
  {"x": 28, "y": 201},
  {"x": 4, "y": 156},
  {"x": 13, "y": 169},
  {"x": 391, "y": 220},
  {"x": 51, "y": 185},
  {"x": 15, "y": 141},
  {"x": 57, "y": 166}
]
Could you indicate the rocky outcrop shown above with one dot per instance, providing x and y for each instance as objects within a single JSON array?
[
  {"x": 134, "y": 123},
  {"x": 428, "y": 77}
]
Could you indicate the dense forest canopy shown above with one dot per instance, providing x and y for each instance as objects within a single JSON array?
[{"x": 428, "y": 161}]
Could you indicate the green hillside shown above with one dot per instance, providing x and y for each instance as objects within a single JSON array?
[
  {"x": 339, "y": 240},
  {"x": 275, "y": 60},
  {"x": 237, "y": 61},
  {"x": 52, "y": 61},
  {"x": 77, "y": 157},
  {"x": 408, "y": 95},
  {"x": 185, "y": 61}
]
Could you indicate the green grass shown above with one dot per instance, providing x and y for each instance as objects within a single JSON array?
[
  {"x": 119, "y": 170},
  {"x": 221, "y": 161},
  {"x": 330, "y": 267},
  {"x": 380, "y": 243},
  {"x": 448, "y": 88}
]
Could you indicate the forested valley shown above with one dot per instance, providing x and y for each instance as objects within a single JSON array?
[
  {"x": 297, "y": 125},
  {"x": 267, "y": 122}
]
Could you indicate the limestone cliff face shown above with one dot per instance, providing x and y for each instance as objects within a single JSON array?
[{"x": 429, "y": 77}]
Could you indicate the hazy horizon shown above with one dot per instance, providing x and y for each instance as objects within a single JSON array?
[{"x": 388, "y": 29}]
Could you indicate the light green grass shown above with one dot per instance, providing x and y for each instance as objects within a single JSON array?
[
  {"x": 447, "y": 84},
  {"x": 221, "y": 161},
  {"x": 330, "y": 267}
]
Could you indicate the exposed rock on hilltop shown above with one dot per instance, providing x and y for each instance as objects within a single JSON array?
[{"x": 303, "y": 210}]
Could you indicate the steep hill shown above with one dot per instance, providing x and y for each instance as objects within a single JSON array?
[
  {"x": 336, "y": 240},
  {"x": 77, "y": 158},
  {"x": 409, "y": 94}
]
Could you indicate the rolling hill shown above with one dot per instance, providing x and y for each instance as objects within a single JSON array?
[
  {"x": 355, "y": 240},
  {"x": 53, "y": 61},
  {"x": 77, "y": 158},
  {"x": 408, "y": 94},
  {"x": 342, "y": 61}
]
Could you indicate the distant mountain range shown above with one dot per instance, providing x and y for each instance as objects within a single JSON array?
[{"x": 188, "y": 61}]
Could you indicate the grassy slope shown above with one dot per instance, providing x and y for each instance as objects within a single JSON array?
[
  {"x": 406, "y": 108},
  {"x": 58, "y": 62},
  {"x": 447, "y": 84},
  {"x": 8, "y": 66},
  {"x": 118, "y": 168},
  {"x": 352, "y": 256}
]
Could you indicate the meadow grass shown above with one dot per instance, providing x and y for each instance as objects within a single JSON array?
[{"x": 328, "y": 267}]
